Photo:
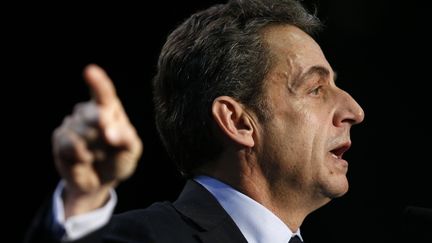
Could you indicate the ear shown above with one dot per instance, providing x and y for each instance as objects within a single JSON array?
[{"x": 233, "y": 120}]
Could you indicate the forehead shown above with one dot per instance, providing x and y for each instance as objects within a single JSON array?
[{"x": 294, "y": 47}]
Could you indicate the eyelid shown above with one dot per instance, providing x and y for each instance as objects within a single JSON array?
[{"x": 316, "y": 88}]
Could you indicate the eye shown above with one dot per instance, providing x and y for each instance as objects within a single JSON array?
[{"x": 316, "y": 91}]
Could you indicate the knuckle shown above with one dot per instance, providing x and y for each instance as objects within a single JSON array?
[
  {"x": 66, "y": 121},
  {"x": 58, "y": 134},
  {"x": 66, "y": 151},
  {"x": 65, "y": 142},
  {"x": 80, "y": 106},
  {"x": 86, "y": 112}
]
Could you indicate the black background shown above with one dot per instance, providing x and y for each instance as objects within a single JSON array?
[{"x": 380, "y": 49}]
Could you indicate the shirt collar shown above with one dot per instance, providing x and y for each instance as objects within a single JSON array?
[{"x": 257, "y": 223}]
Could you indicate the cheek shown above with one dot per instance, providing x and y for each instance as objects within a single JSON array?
[
  {"x": 296, "y": 138},
  {"x": 314, "y": 139},
  {"x": 302, "y": 136}
]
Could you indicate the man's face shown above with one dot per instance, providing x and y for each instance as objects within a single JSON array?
[{"x": 309, "y": 130}]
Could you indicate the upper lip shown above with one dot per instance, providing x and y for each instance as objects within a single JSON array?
[{"x": 340, "y": 149}]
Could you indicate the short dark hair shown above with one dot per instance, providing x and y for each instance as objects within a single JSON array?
[{"x": 218, "y": 51}]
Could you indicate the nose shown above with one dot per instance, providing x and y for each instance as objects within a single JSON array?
[{"x": 348, "y": 112}]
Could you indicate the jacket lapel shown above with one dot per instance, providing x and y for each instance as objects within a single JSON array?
[{"x": 214, "y": 224}]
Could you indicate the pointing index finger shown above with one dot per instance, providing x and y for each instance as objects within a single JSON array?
[{"x": 100, "y": 84}]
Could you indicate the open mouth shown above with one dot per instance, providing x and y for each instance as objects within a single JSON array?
[{"x": 338, "y": 152}]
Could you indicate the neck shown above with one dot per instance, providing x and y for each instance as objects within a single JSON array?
[{"x": 244, "y": 174}]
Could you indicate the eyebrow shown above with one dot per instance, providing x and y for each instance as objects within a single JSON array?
[{"x": 323, "y": 72}]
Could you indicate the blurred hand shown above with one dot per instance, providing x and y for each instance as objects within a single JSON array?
[{"x": 96, "y": 147}]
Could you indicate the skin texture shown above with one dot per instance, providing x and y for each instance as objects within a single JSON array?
[{"x": 292, "y": 163}]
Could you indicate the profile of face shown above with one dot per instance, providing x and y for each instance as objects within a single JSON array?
[{"x": 303, "y": 142}]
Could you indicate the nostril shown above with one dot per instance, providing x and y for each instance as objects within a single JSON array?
[{"x": 348, "y": 116}]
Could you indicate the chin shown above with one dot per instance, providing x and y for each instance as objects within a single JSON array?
[
  {"x": 340, "y": 193},
  {"x": 336, "y": 188}
]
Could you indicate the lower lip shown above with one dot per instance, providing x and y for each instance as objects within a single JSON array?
[{"x": 340, "y": 163}]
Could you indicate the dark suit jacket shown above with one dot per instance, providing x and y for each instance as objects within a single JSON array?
[{"x": 195, "y": 216}]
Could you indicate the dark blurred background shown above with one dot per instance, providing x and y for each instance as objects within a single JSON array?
[{"x": 380, "y": 49}]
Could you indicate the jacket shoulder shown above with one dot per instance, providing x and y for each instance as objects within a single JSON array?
[{"x": 160, "y": 222}]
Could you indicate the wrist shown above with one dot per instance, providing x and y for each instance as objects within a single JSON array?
[{"x": 78, "y": 202}]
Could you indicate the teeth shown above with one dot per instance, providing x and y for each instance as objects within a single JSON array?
[{"x": 334, "y": 155}]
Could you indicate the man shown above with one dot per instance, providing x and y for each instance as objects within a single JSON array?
[{"x": 246, "y": 105}]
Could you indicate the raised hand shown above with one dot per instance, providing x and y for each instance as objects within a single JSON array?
[{"x": 96, "y": 147}]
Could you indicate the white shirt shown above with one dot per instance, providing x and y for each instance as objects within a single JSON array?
[
  {"x": 78, "y": 226},
  {"x": 256, "y": 223}
]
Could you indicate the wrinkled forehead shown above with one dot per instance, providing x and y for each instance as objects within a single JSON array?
[{"x": 290, "y": 44}]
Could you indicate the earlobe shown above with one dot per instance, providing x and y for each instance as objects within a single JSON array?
[{"x": 233, "y": 121}]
